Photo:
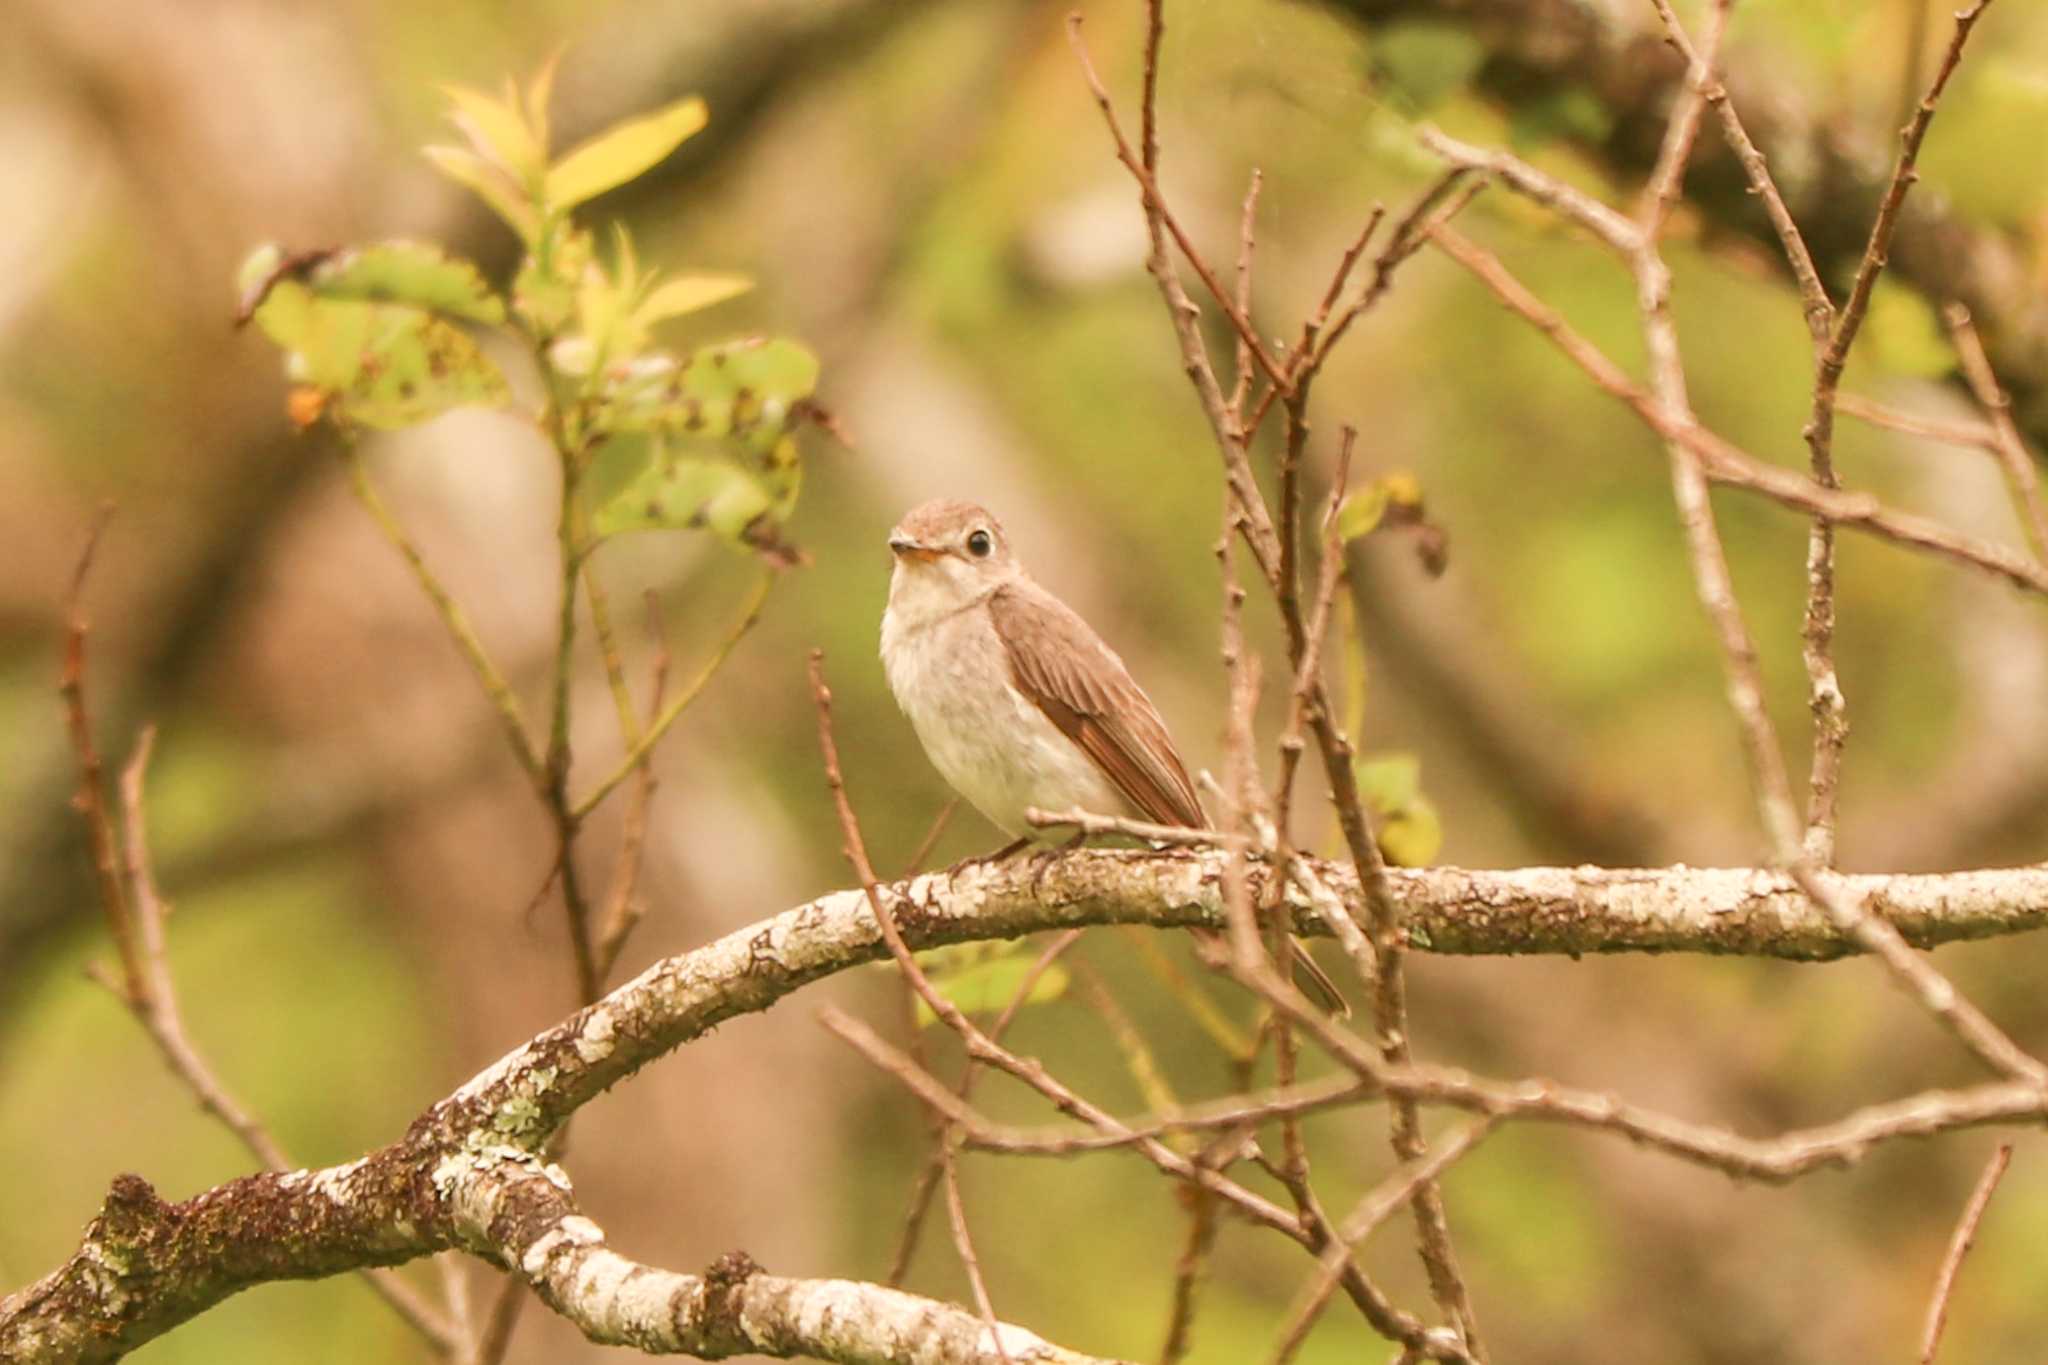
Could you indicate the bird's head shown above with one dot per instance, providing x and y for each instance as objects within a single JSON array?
[{"x": 949, "y": 553}]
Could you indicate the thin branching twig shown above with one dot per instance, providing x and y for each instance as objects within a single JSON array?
[{"x": 135, "y": 912}]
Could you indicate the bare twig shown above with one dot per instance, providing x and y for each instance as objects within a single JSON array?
[
  {"x": 956, "y": 1214},
  {"x": 1722, "y": 461},
  {"x": 1958, "y": 1247},
  {"x": 1974, "y": 435},
  {"x": 1876, "y": 254},
  {"x": 1444, "y": 199},
  {"x": 1819, "y": 311},
  {"x": 927, "y": 1182},
  {"x": 1971, "y": 1026},
  {"x": 1188, "y": 1269},
  {"x": 1669, "y": 412},
  {"x": 1830, "y": 725},
  {"x": 1614, "y": 230},
  {"x": 2006, "y": 442},
  {"x": 1254, "y": 968},
  {"x": 623, "y": 906},
  {"x": 599, "y": 602},
  {"x": 1308, "y": 672},
  {"x": 91, "y": 799},
  {"x": 1035, "y": 1075},
  {"x": 1146, "y": 172},
  {"x": 1247, "y": 247},
  {"x": 1711, "y": 576},
  {"x": 915, "y": 863},
  {"x": 1087, "y": 822},
  {"x": 1259, "y": 533},
  {"x": 750, "y": 612},
  {"x": 501, "y": 1320},
  {"x": 135, "y": 919},
  {"x": 156, "y": 1003},
  {"x": 1380, "y": 1202}
]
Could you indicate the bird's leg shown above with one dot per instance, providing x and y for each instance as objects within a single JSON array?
[
  {"x": 1043, "y": 860},
  {"x": 1006, "y": 851}
]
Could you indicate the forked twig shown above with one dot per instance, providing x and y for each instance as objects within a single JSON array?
[
  {"x": 1378, "y": 1204},
  {"x": 1725, "y": 463},
  {"x": 135, "y": 912},
  {"x": 927, "y": 1182}
]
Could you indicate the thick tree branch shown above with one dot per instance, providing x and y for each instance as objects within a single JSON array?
[
  {"x": 518, "y": 1210},
  {"x": 146, "y": 1266},
  {"x": 1531, "y": 910}
]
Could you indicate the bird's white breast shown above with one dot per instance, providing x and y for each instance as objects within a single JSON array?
[{"x": 995, "y": 747}]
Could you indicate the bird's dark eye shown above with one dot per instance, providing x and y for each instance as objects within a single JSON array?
[{"x": 979, "y": 544}]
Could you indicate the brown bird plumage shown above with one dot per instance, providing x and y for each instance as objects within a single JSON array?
[{"x": 1017, "y": 700}]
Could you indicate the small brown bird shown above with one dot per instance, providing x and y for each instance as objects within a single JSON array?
[{"x": 1018, "y": 703}]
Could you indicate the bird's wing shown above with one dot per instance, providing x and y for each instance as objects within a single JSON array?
[{"x": 1084, "y": 689}]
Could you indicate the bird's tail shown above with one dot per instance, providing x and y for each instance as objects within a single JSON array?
[{"x": 1315, "y": 983}]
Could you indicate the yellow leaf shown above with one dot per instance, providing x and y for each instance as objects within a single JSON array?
[
  {"x": 621, "y": 153},
  {"x": 498, "y": 131},
  {"x": 688, "y": 294},
  {"x": 490, "y": 183},
  {"x": 539, "y": 95}
]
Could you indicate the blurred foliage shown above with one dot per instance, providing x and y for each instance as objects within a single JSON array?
[
  {"x": 1404, "y": 820},
  {"x": 925, "y": 195}
]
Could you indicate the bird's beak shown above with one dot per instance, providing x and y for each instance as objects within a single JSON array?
[{"x": 903, "y": 547}]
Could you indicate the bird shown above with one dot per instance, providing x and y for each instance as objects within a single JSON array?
[{"x": 1017, "y": 701}]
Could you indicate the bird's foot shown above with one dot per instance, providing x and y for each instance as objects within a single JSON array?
[
  {"x": 1042, "y": 861},
  {"x": 985, "y": 859}
]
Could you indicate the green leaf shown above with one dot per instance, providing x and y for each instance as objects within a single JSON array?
[
  {"x": 704, "y": 442},
  {"x": 490, "y": 183},
  {"x": 617, "y": 463},
  {"x": 1360, "y": 512},
  {"x": 407, "y": 272},
  {"x": 621, "y": 153},
  {"x": 987, "y": 981},
  {"x": 744, "y": 389},
  {"x": 689, "y": 294},
  {"x": 1903, "y": 334},
  {"x": 544, "y": 290},
  {"x": 379, "y": 364},
  {"x": 1573, "y": 114},
  {"x": 499, "y": 132},
  {"x": 1389, "y": 782},
  {"x": 1363, "y": 512},
  {"x": 687, "y": 491},
  {"x": 1421, "y": 63},
  {"x": 1413, "y": 836},
  {"x": 782, "y": 470},
  {"x": 1405, "y": 822}
]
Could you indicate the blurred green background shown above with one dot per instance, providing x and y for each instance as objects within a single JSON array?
[{"x": 926, "y": 195}]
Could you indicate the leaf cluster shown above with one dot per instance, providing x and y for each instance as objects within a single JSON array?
[{"x": 395, "y": 333}]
